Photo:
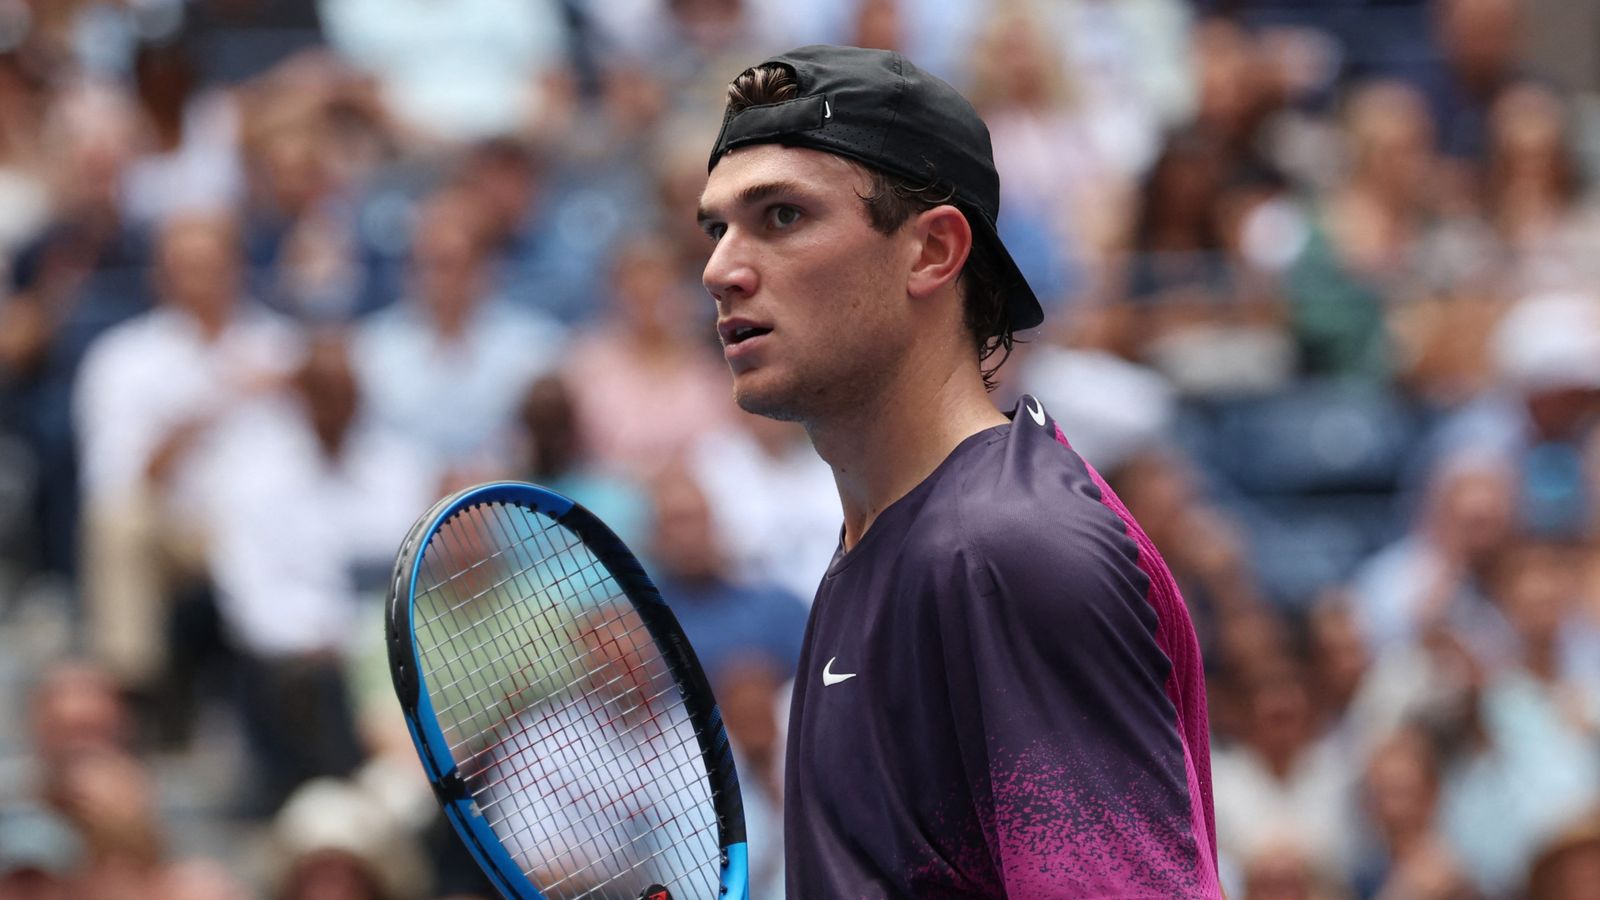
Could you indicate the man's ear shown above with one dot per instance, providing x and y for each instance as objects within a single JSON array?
[{"x": 943, "y": 238}]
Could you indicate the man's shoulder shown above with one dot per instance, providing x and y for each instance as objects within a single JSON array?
[
  {"x": 1024, "y": 510},
  {"x": 129, "y": 345},
  {"x": 1035, "y": 499}
]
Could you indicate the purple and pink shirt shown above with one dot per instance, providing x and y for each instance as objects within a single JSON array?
[{"x": 1000, "y": 695}]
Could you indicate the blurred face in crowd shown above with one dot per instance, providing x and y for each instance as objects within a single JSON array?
[
  {"x": 198, "y": 268},
  {"x": 1015, "y": 65},
  {"x": 90, "y": 137},
  {"x": 77, "y": 708},
  {"x": 1278, "y": 717},
  {"x": 747, "y": 693},
  {"x": 1392, "y": 138},
  {"x": 683, "y": 536},
  {"x": 448, "y": 257},
  {"x": 1473, "y": 510},
  {"x": 1339, "y": 653},
  {"x": 1234, "y": 83},
  {"x": 709, "y": 24},
  {"x": 111, "y": 799},
  {"x": 551, "y": 423},
  {"x": 505, "y": 179},
  {"x": 619, "y": 654},
  {"x": 812, "y": 301},
  {"x": 1528, "y": 134},
  {"x": 332, "y": 875},
  {"x": 1536, "y": 586},
  {"x": 648, "y": 294},
  {"x": 290, "y": 163},
  {"x": 328, "y": 384},
  {"x": 1481, "y": 37},
  {"x": 1402, "y": 787},
  {"x": 878, "y": 25}
]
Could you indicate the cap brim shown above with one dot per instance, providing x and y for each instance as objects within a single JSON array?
[{"x": 1022, "y": 305}]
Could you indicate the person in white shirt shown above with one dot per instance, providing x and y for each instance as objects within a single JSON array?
[
  {"x": 152, "y": 393},
  {"x": 451, "y": 362},
  {"x": 304, "y": 492}
]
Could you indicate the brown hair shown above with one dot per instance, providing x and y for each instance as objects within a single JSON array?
[{"x": 890, "y": 201}]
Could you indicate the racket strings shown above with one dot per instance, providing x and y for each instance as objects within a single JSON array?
[
  {"x": 529, "y": 727},
  {"x": 586, "y": 676},
  {"x": 565, "y": 720}
]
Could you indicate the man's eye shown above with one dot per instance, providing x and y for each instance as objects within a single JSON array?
[
  {"x": 715, "y": 231},
  {"x": 783, "y": 215}
]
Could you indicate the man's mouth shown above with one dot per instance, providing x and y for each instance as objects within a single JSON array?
[
  {"x": 737, "y": 331},
  {"x": 744, "y": 333}
]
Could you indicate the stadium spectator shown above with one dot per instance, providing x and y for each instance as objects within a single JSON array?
[
  {"x": 449, "y": 363},
  {"x": 153, "y": 392},
  {"x": 472, "y": 69},
  {"x": 1283, "y": 781},
  {"x": 558, "y": 457},
  {"x": 1480, "y": 40},
  {"x": 1404, "y": 854},
  {"x": 191, "y": 157},
  {"x": 1437, "y": 572},
  {"x": 328, "y": 495},
  {"x": 1535, "y": 192},
  {"x": 334, "y": 841},
  {"x": 1540, "y": 409},
  {"x": 1362, "y": 253},
  {"x": 725, "y": 621},
  {"x": 1339, "y": 659},
  {"x": 1061, "y": 190},
  {"x": 82, "y": 273},
  {"x": 773, "y": 502},
  {"x": 25, "y": 103},
  {"x": 73, "y": 708},
  {"x": 753, "y": 695},
  {"x": 647, "y": 388},
  {"x": 306, "y": 142},
  {"x": 1207, "y": 550},
  {"x": 1131, "y": 65}
]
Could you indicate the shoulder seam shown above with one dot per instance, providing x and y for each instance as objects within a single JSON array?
[{"x": 988, "y": 587}]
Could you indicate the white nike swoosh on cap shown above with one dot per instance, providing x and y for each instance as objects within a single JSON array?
[
  {"x": 1036, "y": 410},
  {"x": 830, "y": 677}
]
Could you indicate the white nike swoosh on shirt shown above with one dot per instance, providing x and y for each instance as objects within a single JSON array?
[
  {"x": 1035, "y": 409},
  {"x": 828, "y": 676}
]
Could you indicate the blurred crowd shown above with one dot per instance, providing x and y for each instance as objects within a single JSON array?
[{"x": 1323, "y": 291}]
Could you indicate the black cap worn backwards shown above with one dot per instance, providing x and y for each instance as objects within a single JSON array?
[{"x": 876, "y": 108}]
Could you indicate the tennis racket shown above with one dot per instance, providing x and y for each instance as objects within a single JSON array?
[{"x": 559, "y": 711}]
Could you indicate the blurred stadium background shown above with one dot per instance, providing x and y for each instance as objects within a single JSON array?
[{"x": 1323, "y": 281}]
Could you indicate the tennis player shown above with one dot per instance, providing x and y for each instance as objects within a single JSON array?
[{"x": 1000, "y": 691}]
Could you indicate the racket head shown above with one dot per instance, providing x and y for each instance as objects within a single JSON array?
[{"x": 559, "y": 711}]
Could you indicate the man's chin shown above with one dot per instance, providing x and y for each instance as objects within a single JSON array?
[{"x": 766, "y": 401}]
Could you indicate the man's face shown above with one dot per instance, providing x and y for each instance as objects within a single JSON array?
[{"x": 811, "y": 301}]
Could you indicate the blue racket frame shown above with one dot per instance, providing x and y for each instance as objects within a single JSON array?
[{"x": 423, "y": 723}]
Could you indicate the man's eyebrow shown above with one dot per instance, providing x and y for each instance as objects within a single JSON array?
[{"x": 755, "y": 193}]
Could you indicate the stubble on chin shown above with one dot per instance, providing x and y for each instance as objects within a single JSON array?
[{"x": 770, "y": 404}]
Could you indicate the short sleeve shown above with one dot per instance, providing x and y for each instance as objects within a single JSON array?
[{"x": 1070, "y": 740}]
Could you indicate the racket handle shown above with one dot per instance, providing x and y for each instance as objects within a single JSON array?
[{"x": 656, "y": 892}]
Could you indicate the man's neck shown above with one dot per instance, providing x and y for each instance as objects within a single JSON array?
[{"x": 883, "y": 450}]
